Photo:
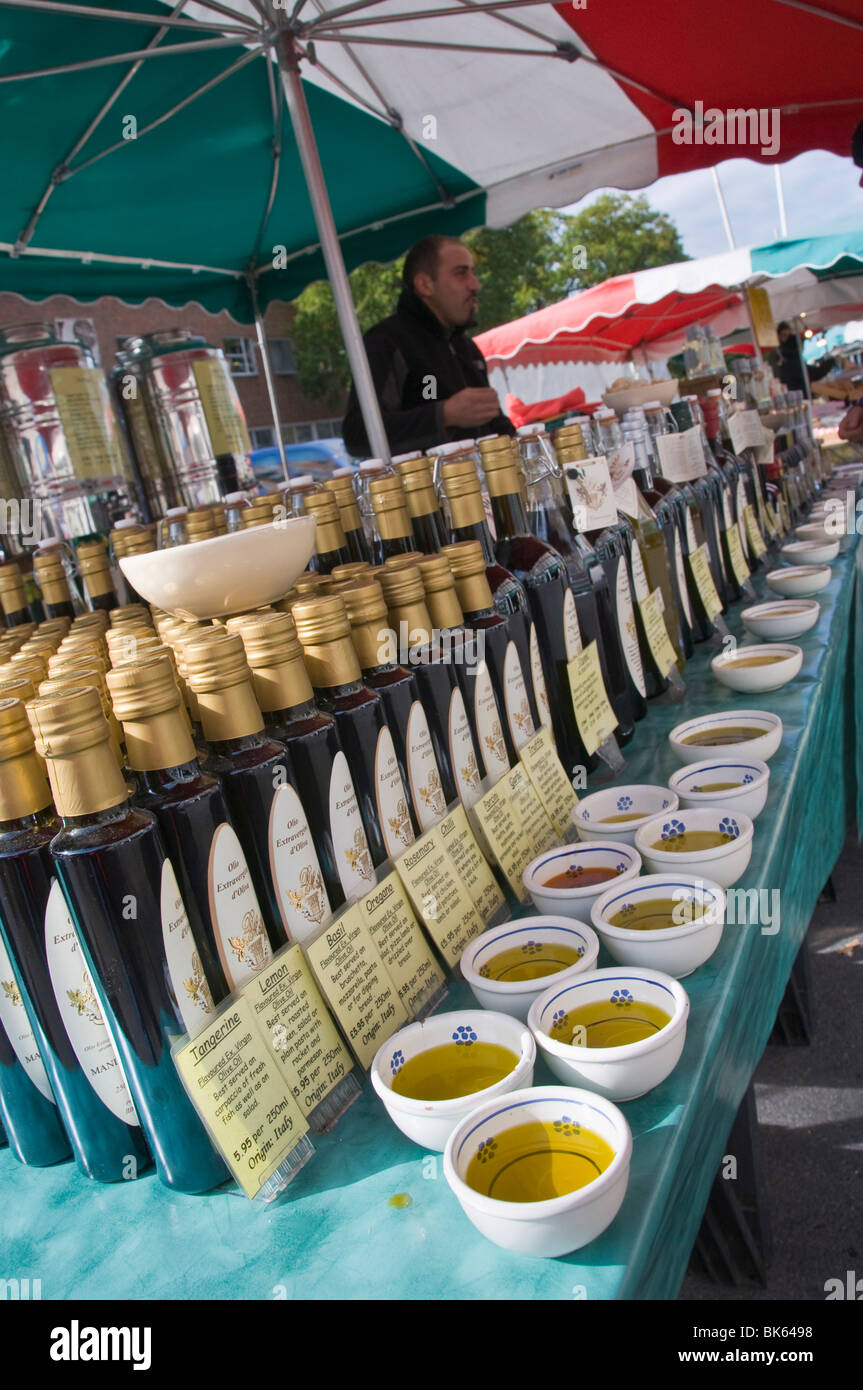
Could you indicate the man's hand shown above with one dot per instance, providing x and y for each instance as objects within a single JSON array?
[{"x": 475, "y": 405}]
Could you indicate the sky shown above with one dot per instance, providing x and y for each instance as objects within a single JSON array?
[{"x": 820, "y": 190}]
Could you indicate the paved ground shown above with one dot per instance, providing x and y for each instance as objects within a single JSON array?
[{"x": 810, "y": 1111}]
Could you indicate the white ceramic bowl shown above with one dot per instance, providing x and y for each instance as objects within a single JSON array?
[
  {"x": 749, "y": 795},
  {"x": 560, "y": 1224},
  {"x": 810, "y": 552},
  {"x": 228, "y": 574},
  {"x": 627, "y": 1071},
  {"x": 800, "y": 581},
  {"x": 784, "y": 664},
  {"x": 641, "y": 801},
  {"x": 676, "y": 950},
  {"x": 535, "y": 937},
  {"x": 589, "y": 854},
  {"x": 724, "y": 864},
  {"x": 762, "y": 747},
  {"x": 430, "y": 1122},
  {"x": 638, "y": 393},
  {"x": 782, "y": 618},
  {"x": 814, "y": 531}
]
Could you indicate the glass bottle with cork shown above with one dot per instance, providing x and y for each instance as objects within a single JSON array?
[{"x": 122, "y": 895}]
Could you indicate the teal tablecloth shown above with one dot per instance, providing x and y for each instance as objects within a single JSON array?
[{"x": 339, "y": 1237}]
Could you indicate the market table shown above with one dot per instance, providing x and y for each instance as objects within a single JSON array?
[{"x": 339, "y": 1234}]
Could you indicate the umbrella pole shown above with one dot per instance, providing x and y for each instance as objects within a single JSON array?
[
  {"x": 304, "y": 134},
  {"x": 268, "y": 370}
]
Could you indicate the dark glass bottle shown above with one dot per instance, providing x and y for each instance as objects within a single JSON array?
[
  {"x": 121, "y": 892},
  {"x": 50, "y": 574},
  {"x": 31, "y": 1121},
  {"x": 331, "y": 546},
  {"x": 427, "y": 521},
  {"x": 13, "y": 596},
  {"x": 96, "y": 573},
  {"x": 668, "y": 577},
  {"x": 334, "y": 670},
  {"x": 395, "y": 533},
  {"x": 341, "y": 487}
]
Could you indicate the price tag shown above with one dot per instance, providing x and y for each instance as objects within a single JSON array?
[
  {"x": 753, "y": 533},
  {"x": 296, "y": 1023},
  {"x": 503, "y": 829},
  {"x": 356, "y": 984},
  {"x": 673, "y": 457},
  {"x": 700, "y": 568},
  {"x": 88, "y": 422},
  {"x": 591, "y": 493},
  {"x": 695, "y": 460},
  {"x": 626, "y": 498},
  {"x": 241, "y": 1094},
  {"x": 440, "y": 896},
  {"x": 657, "y": 633},
  {"x": 221, "y": 406},
  {"x": 594, "y": 716},
  {"x": 539, "y": 833},
  {"x": 746, "y": 430},
  {"x": 403, "y": 948},
  {"x": 735, "y": 553},
  {"x": 548, "y": 775},
  {"x": 470, "y": 864}
]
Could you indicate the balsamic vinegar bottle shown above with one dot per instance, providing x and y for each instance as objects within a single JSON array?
[
  {"x": 334, "y": 670},
  {"x": 13, "y": 596},
  {"x": 96, "y": 572},
  {"x": 79, "y": 1068},
  {"x": 319, "y": 853},
  {"x": 352, "y": 523},
  {"x": 395, "y": 533},
  {"x": 376, "y": 646},
  {"x": 122, "y": 895},
  {"x": 331, "y": 546},
  {"x": 29, "y": 1115},
  {"x": 53, "y": 583},
  {"x": 427, "y": 520}
]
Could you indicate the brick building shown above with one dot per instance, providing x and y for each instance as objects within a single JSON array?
[{"x": 302, "y": 418}]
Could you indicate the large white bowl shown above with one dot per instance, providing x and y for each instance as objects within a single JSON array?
[
  {"x": 639, "y": 394},
  {"x": 228, "y": 574},
  {"x": 676, "y": 950},
  {"x": 810, "y": 552},
  {"x": 619, "y": 1073},
  {"x": 588, "y": 854},
  {"x": 763, "y": 747},
  {"x": 725, "y": 864},
  {"x": 749, "y": 796},
  {"x": 640, "y": 799},
  {"x": 561, "y": 1224},
  {"x": 814, "y": 531},
  {"x": 800, "y": 581},
  {"x": 782, "y": 618},
  {"x": 430, "y": 1122},
  {"x": 755, "y": 680},
  {"x": 535, "y": 936}
]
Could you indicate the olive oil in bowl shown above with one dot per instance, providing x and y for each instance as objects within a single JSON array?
[
  {"x": 657, "y": 914},
  {"x": 452, "y": 1070},
  {"x": 693, "y": 841},
  {"x": 532, "y": 961},
  {"x": 604, "y": 1024},
  {"x": 538, "y": 1161}
]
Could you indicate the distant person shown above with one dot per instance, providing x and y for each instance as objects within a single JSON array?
[
  {"x": 430, "y": 377},
  {"x": 857, "y": 149},
  {"x": 789, "y": 362}
]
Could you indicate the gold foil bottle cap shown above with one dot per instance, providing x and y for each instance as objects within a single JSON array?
[
  {"x": 330, "y": 533},
  {"x": 465, "y": 557},
  {"x": 70, "y": 724},
  {"x": 128, "y": 612},
  {"x": 571, "y": 453},
  {"x": 60, "y": 625},
  {"x": 503, "y": 471},
  {"x": 12, "y": 595},
  {"x": 22, "y": 688},
  {"x": 143, "y": 688},
  {"x": 202, "y": 523},
  {"x": 42, "y": 642},
  {"x": 312, "y": 585},
  {"x": 31, "y": 665},
  {"x": 390, "y": 507},
  {"x": 324, "y": 630},
  {"x": 96, "y": 621},
  {"x": 403, "y": 584},
  {"x": 216, "y": 662},
  {"x": 340, "y": 573},
  {"x": 219, "y": 675},
  {"x": 321, "y": 620},
  {"x": 147, "y": 700},
  {"x": 72, "y": 734},
  {"x": 401, "y": 562},
  {"x": 16, "y": 736},
  {"x": 364, "y": 602},
  {"x": 416, "y": 476},
  {"x": 468, "y": 567},
  {"x": 239, "y": 620},
  {"x": 343, "y": 491},
  {"x": 275, "y": 655},
  {"x": 494, "y": 444},
  {"x": 24, "y": 787},
  {"x": 73, "y": 662},
  {"x": 134, "y": 645},
  {"x": 441, "y": 595}
]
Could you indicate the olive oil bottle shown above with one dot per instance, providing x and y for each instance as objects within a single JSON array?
[
  {"x": 331, "y": 546},
  {"x": 395, "y": 533},
  {"x": 53, "y": 582},
  {"x": 95, "y": 570},
  {"x": 427, "y": 521},
  {"x": 13, "y": 598},
  {"x": 342, "y": 489},
  {"x": 43, "y": 980},
  {"x": 122, "y": 895}
]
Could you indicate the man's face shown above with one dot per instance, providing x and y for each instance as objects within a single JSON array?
[
  {"x": 452, "y": 292},
  {"x": 784, "y": 334}
]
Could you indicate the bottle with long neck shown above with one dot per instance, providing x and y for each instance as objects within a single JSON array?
[
  {"x": 334, "y": 670},
  {"x": 741, "y": 469},
  {"x": 376, "y": 645},
  {"x": 251, "y": 767},
  {"x": 122, "y": 894},
  {"x": 427, "y": 520},
  {"x": 331, "y": 546},
  {"x": 53, "y": 581},
  {"x": 318, "y": 849},
  {"x": 433, "y": 646},
  {"x": 13, "y": 597},
  {"x": 656, "y": 540},
  {"x": 543, "y": 573},
  {"x": 342, "y": 490},
  {"x": 711, "y": 495},
  {"x": 395, "y": 533},
  {"x": 95, "y": 570},
  {"x": 68, "y": 1055}
]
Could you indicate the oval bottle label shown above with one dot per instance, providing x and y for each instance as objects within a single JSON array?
[
  {"x": 741, "y": 514},
  {"x": 295, "y": 867},
  {"x": 427, "y": 791},
  {"x": 571, "y": 631},
  {"x": 353, "y": 860},
  {"x": 185, "y": 971},
  {"x": 691, "y": 542},
  {"x": 681, "y": 577},
  {"x": 462, "y": 753},
  {"x": 488, "y": 727},
  {"x": 540, "y": 690},
  {"x": 16, "y": 1025},
  {"x": 518, "y": 714},
  {"x": 639, "y": 575},
  {"x": 393, "y": 811},
  {"x": 628, "y": 630},
  {"x": 79, "y": 1009},
  {"x": 241, "y": 937}
]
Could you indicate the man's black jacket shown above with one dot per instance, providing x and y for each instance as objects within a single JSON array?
[{"x": 417, "y": 365}]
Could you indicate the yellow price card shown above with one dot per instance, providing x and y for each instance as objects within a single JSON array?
[
  {"x": 441, "y": 898},
  {"x": 404, "y": 950},
  {"x": 593, "y": 713},
  {"x": 239, "y": 1090},
  {"x": 88, "y": 424},
  {"x": 539, "y": 833},
  {"x": 753, "y": 532},
  {"x": 222, "y": 410},
  {"x": 470, "y": 864},
  {"x": 701, "y": 573},
  {"x": 296, "y": 1022},
  {"x": 735, "y": 552},
  {"x": 657, "y": 633},
  {"x": 543, "y": 766},
  {"x": 356, "y": 984},
  {"x": 502, "y": 826}
]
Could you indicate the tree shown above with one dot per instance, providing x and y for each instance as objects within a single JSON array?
[
  {"x": 616, "y": 235},
  {"x": 322, "y": 361},
  {"x": 518, "y": 267}
]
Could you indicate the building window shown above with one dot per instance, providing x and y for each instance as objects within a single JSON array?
[
  {"x": 240, "y": 354},
  {"x": 282, "y": 356},
  {"x": 263, "y": 437}
]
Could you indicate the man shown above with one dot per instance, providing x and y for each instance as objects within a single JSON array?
[
  {"x": 431, "y": 379},
  {"x": 789, "y": 366}
]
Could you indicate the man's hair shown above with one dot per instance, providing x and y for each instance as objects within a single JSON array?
[
  {"x": 423, "y": 258},
  {"x": 784, "y": 324}
]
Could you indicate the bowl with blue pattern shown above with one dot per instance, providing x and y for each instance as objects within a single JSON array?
[
  {"x": 429, "y": 1122},
  {"x": 511, "y": 965},
  {"x": 589, "y": 868},
  {"x": 616, "y": 812},
  {"x": 662, "y": 843},
  {"x": 731, "y": 784},
  {"x": 670, "y": 922}
]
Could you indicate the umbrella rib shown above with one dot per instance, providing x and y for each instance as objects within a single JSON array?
[
  {"x": 179, "y": 49},
  {"x": 218, "y": 8},
  {"x": 512, "y": 23},
  {"x": 428, "y": 43},
  {"x": 131, "y": 17},
  {"x": 446, "y": 12},
  {"x": 276, "y": 100},
  {"x": 145, "y": 262},
  {"x": 821, "y": 13}
]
